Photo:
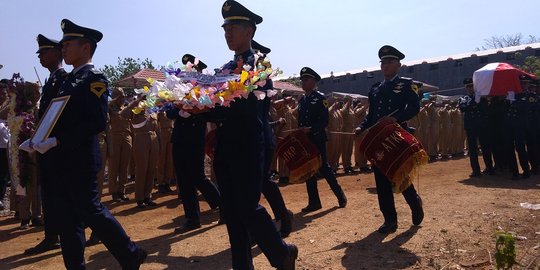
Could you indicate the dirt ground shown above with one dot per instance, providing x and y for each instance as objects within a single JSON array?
[{"x": 458, "y": 232}]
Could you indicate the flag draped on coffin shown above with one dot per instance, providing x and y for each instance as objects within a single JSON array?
[{"x": 497, "y": 79}]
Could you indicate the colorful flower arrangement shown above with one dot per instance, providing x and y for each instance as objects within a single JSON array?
[
  {"x": 23, "y": 97},
  {"x": 189, "y": 90}
]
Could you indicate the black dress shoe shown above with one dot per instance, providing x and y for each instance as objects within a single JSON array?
[
  {"x": 387, "y": 228},
  {"x": 123, "y": 197},
  {"x": 190, "y": 225},
  {"x": 43, "y": 246},
  {"x": 286, "y": 224},
  {"x": 283, "y": 181},
  {"x": 475, "y": 174},
  {"x": 290, "y": 261},
  {"x": 149, "y": 202},
  {"x": 349, "y": 170},
  {"x": 37, "y": 222},
  {"x": 311, "y": 208},
  {"x": 115, "y": 197},
  {"x": 141, "y": 205},
  {"x": 418, "y": 213},
  {"x": 136, "y": 264}
]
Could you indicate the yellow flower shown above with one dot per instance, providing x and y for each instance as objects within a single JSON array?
[{"x": 244, "y": 76}]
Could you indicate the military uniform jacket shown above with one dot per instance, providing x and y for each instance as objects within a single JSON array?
[
  {"x": 188, "y": 130},
  {"x": 83, "y": 118},
  {"x": 48, "y": 92},
  {"x": 517, "y": 112},
  {"x": 474, "y": 114},
  {"x": 313, "y": 113},
  {"x": 50, "y": 89},
  {"x": 245, "y": 119},
  {"x": 534, "y": 111},
  {"x": 388, "y": 96}
]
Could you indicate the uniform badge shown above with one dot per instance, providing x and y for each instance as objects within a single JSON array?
[
  {"x": 414, "y": 88},
  {"x": 532, "y": 99},
  {"x": 98, "y": 88},
  {"x": 226, "y": 7},
  {"x": 325, "y": 103}
]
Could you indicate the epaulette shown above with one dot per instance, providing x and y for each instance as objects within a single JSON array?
[
  {"x": 319, "y": 93},
  {"x": 405, "y": 79},
  {"x": 96, "y": 71}
]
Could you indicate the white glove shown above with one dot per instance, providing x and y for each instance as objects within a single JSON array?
[
  {"x": 46, "y": 145},
  {"x": 25, "y": 146}
]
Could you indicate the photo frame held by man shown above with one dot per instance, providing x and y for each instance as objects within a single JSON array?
[{"x": 47, "y": 122}]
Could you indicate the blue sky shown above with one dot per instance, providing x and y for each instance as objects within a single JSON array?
[{"x": 336, "y": 35}]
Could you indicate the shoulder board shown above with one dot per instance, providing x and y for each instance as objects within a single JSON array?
[
  {"x": 96, "y": 71},
  {"x": 319, "y": 93},
  {"x": 405, "y": 79}
]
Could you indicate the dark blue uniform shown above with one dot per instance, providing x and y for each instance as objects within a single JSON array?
[
  {"x": 47, "y": 173},
  {"x": 239, "y": 166},
  {"x": 313, "y": 113},
  {"x": 475, "y": 122},
  {"x": 188, "y": 158},
  {"x": 515, "y": 123},
  {"x": 496, "y": 114},
  {"x": 77, "y": 160},
  {"x": 385, "y": 98}
]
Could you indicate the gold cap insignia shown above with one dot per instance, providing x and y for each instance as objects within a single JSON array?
[
  {"x": 62, "y": 25},
  {"x": 226, "y": 6},
  {"x": 304, "y": 70},
  {"x": 185, "y": 58},
  {"x": 385, "y": 50}
]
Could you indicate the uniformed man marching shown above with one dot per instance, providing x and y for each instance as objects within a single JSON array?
[
  {"x": 188, "y": 140},
  {"x": 475, "y": 124},
  {"x": 313, "y": 117},
  {"x": 394, "y": 98},
  {"x": 50, "y": 57},
  {"x": 75, "y": 143},
  {"x": 240, "y": 140}
]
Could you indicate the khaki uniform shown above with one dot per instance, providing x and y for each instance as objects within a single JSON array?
[
  {"x": 335, "y": 122},
  {"x": 423, "y": 127},
  {"x": 145, "y": 151},
  {"x": 347, "y": 140},
  {"x": 445, "y": 129},
  {"x": 121, "y": 150},
  {"x": 165, "y": 169},
  {"x": 360, "y": 114},
  {"x": 433, "y": 128},
  {"x": 30, "y": 206}
]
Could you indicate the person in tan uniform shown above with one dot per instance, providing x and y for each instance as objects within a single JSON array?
[
  {"x": 335, "y": 122},
  {"x": 347, "y": 140},
  {"x": 360, "y": 113},
  {"x": 445, "y": 130},
  {"x": 165, "y": 169},
  {"x": 433, "y": 128},
  {"x": 423, "y": 125},
  {"x": 121, "y": 146},
  {"x": 103, "y": 151},
  {"x": 145, "y": 150}
]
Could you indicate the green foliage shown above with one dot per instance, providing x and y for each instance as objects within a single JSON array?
[
  {"x": 505, "y": 257},
  {"x": 532, "y": 65},
  {"x": 125, "y": 67},
  {"x": 293, "y": 80}
]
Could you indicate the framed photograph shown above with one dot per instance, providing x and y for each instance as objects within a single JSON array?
[{"x": 47, "y": 122}]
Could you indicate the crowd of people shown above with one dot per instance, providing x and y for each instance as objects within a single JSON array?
[{"x": 106, "y": 137}]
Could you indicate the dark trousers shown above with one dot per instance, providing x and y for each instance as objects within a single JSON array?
[
  {"x": 498, "y": 147},
  {"x": 189, "y": 166},
  {"x": 473, "y": 136},
  {"x": 48, "y": 183},
  {"x": 515, "y": 142},
  {"x": 76, "y": 202},
  {"x": 270, "y": 189},
  {"x": 3, "y": 172},
  {"x": 328, "y": 174},
  {"x": 239, "y": 171},
  {"x": 386, "y": 197}
]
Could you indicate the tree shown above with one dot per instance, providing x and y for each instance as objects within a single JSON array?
[
  {"x": 125, "y": 67},
  {"x": 531, "y": 65},
  {"x": 497, "y": 42}
]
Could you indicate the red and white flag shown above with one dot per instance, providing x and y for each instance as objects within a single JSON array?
[{"x": 497, "y": 79}]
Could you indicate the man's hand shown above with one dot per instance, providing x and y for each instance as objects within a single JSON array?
[
  {"x": 27, "y": 146},
  {"x": 46, "y": 145}
]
